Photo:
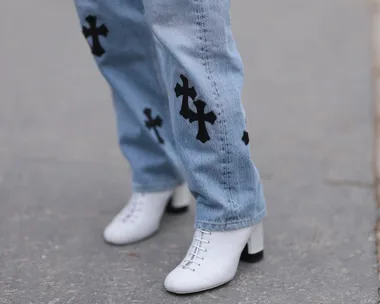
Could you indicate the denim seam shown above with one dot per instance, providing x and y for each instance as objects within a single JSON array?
[
  {"x": 263, "y": 212},
  {"x": 221, "y": 113}
]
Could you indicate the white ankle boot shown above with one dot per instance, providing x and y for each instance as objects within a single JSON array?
[
  {"x": 141, "y": 217},
  {"x": 213, "y": 258}
]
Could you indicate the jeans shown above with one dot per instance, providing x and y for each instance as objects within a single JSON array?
[{"x": 176, "y": 78}]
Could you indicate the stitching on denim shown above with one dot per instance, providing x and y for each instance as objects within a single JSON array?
[
  {"x": 221, "y": 114},
  {"x": 263, "y": 212}
]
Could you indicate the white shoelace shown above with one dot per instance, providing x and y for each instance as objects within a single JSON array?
[
  {"x": 132, "y": 208},
  {"x": 195, "y": 250}
]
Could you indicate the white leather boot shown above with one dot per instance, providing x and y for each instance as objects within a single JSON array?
[
  {"x": 141, "y": 217},
  {"x": 213, "y": 258}
]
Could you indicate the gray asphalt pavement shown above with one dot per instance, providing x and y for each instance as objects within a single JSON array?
[{"x": 62, "y": 177}]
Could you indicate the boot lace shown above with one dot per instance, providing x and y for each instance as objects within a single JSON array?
[
  {"x": 132, "y": 209},
  {"x": 196, "y": 250}
]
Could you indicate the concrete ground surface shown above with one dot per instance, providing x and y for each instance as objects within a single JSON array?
[{"x": 62, "y": 177}]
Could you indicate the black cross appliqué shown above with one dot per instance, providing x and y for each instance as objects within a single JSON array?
[
  {"x": 153, "y": 123},
  {"x": 200, "y": 116},
  {"x": 245, "y": 138},
  {"x": 185, "y": 92},
  {"x": 95, "y": 32}
]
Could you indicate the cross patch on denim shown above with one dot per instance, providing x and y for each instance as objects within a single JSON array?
[{"x": 200, "y": 116}]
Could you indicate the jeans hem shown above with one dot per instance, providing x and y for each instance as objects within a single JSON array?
[
  {"x": 156, "y": 188},
  {"x": 209, "y": 226}
]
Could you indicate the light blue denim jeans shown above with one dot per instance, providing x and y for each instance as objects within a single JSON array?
[{"x": 176, "y": 78}]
